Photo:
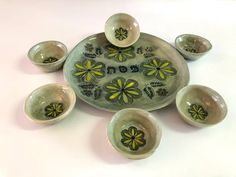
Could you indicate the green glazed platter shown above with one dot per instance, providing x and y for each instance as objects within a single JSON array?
[{"x": 146, "y": 75}]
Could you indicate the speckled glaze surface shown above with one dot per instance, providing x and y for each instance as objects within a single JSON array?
[
  {"x": 146, "y": 75},
  {"x": 200, "y": 106},
  {"x": 122, "y": 30},
  {"x": 50, "y": 103},
  {"x": 191, "y": 46},
  {"x": 134, "y": 133},
  {"x": 48, "y": 56}
]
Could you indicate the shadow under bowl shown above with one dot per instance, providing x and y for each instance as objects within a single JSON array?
[
  {"x": 200, "y": 106},
  {"x": 134, "y": 133},
  {"x": 191, "y": 46},
  {"x": 50, "y": 103},
  {"x": 48, "y": 56}
]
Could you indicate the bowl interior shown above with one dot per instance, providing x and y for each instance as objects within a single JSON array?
[
  {"x": 133, "y": 133},
  {"x": 47, "y": 52},
  {"x": 201, "y": 104},
  {"x": 48, "y": 102},
  {"x": 122, "y": 30},
  {"x": 193, "y": 44}
]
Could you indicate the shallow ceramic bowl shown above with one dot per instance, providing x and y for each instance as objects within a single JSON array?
[
  {"x": 50, "y": 103},
  {"x": 122, "y": 30},
  {"x": 134, "y": 133},
  {"x": 200, "y": 106},
  {"x": 49, "y": 56},
  {"x": 191, "y": 46}
]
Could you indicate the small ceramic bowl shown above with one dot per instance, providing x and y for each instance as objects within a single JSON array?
[
  {"x": 134, "y": 133},
  {"x": 50, "y": 103},
  {"x": 200, "y": 106},
  {"x": 49, "y": 56},
  {"x": 122, "y": 30},
  {"x": 191, "y": 46}
]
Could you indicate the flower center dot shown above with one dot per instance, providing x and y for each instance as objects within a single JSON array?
[
  {"x": 89, "y": 70},
  {"x": 133, "y": 137},
  {"x": 158, "y": 69}
]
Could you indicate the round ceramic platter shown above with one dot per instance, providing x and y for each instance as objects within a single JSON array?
[{"x": 146, "y": 75}]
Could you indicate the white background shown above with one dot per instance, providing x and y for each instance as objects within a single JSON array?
[{"x": 78, "y": 146}]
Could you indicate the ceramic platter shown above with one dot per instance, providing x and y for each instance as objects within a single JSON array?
[{"x": 146, "y": 75}]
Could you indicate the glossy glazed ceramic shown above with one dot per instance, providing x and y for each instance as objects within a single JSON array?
[
  {"x": 122, "y": 30},
  {"x": 50, "y": 103},
  {"x": 191, "y": 46},
  {"x": 134, "y": 133},
  {"x": 200, "y": 106},
  {"x": 48, "y": 56},
  {"x": 146, "y": 75}
]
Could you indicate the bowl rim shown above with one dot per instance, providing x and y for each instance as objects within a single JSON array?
[
  {"x": 150, "y": 118},
  {"x": 195, "y": 36},
  {"x": 128, "y": 15},
  {"x": 60, "y": 117},
  {"x": 60, "y": 60},
  {"x": 186, "y": 118}
]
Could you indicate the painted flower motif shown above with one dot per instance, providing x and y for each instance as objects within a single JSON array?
[
  {"x": 89, "y": 70},
  {"x": 119, "y": 54},
  {"x": 50, "y": 60},
  {"x": 53, "y": 110},
  {"x": 121, "y": 34},
  {"x": 162, "y": 92},
  {"x": 161, "y": 69},
  {"x": 89, "y": 47},
  {"x": 122, "y": 91},
  {"x": 133, "y": 138},
  {"x": 197, "y": 112}
]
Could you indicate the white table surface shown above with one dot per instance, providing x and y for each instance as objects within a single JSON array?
[{"x": 78, "y": 146}]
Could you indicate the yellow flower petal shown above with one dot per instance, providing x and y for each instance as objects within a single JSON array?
[
  {"x": 151, "y": 72},
  {"x": 88, "y": 77},
  {"x": 134, "y": 145},
  {"x": 148, "y": 66},
  {"x": 139, "y": 141},
  {"x": 127, "y": 141},
  {"x": 125, "y": 98},
  {"x": 79, "y": 66},
  {"x": 132, "y": 92},
  {"x": 79, "y": 73},
  {"x": 155, "y": 62},
  {"x": 120, "y": 58},
  {"x": 112, "y": 54},
  {"x": 111, "y": 87},
  {"x": 165, "y": 64},
  {"x": 129, "y": 84},
  {"x": 162, "y": 75},
  {"x": 115, "y": 95},
  {"x": 119, "y": 82},
  {"x": 98, "y": 66},
  {"x": 112, "y": 49},
  {"x": 98, "y": 73},
  {"x": 88, "y": 64}
]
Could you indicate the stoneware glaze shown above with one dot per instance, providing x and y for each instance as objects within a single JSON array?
[
  {"x": 134, "y": 133},
  {"x": 50, "y": 103},
  {"x": 200, "y": 106},
  {"x": 146, "y": 75},
  {"x": 122, "y": 30},
  {"x": 191, "y": 46},
  {"x": 49, "y": 56}
]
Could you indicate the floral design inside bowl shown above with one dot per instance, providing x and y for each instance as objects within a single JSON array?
[
  {"x": 122, "y": 30},
  {"x": 134, "y": 133},
  {"x": 200, "y": 106},
  {"x": 192, "y": 46},
  {"x": 50, "y": 103},
  {"x": 49, "y": 56}
]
